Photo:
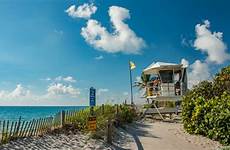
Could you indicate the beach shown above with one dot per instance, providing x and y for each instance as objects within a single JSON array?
[
  {"x": 137, "y": 136},
  {"x": 58, "y": 141}
]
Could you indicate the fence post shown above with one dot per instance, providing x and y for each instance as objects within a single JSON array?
[
  {"x": 103, "y": 109},
  {"x": 62, "y": 118},
  {"x": 109, "y": 132},
  {"x": 18, "y": 127},
  {"x": 3, "y": 129}
]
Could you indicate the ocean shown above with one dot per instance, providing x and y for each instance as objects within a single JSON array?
[{"x": 32, "y": 112}]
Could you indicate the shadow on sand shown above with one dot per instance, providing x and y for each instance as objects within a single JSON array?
[{"x": 136, "y": 130}]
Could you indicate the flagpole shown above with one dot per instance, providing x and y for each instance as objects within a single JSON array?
[{"x": 131, "y": 83}]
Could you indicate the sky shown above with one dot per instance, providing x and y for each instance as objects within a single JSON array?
[{"x": 53, "y": 51}]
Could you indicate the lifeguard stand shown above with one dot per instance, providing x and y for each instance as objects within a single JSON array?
[{"x": 168, "y": 82}]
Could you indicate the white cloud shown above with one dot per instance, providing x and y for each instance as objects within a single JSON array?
[
  {"x": 199, "y": 72},
  {"x": 123, "y": 39},
  {"x": 211, "y": 43},
  {"x": 61, "y": 79},
  {"x": 100, "y": 91},
  {"x": 69, "y": 79},
  {"x": 99, "y": 57},
  {"x": 18, "y": 92},
  {"x": 61, "y": 89},
  {"x": 184, "y": 62},
  {"x": 83, "y": 11}
]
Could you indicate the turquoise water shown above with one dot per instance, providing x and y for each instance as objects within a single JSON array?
[{"x": 32, "y": 112}]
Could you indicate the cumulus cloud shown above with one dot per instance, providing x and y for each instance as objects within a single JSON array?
[
  {"x": 122, "y": 39},
  {"x": 199, "y": 71},
  {"x": 18, "y": 92},
  {"x": 61, "y": 89},
  {"x": 184, "y": 62},
  {"x": 100, "y": 91},
  {"x": 83, "y": 11},
  {"x": 211, "y": 43},
  {"x": 99, "y": 57}
]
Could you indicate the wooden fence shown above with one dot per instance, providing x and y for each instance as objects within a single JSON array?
[{"x": 10, "y": 130}]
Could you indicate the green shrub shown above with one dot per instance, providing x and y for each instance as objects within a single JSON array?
[
  {"x": 206, "y": 108},
  {"x": 127, "y": 114}
]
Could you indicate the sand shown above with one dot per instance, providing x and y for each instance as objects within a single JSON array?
[
  {"x": 76, "y": 141},
  {"x": 136, "y": 136}
]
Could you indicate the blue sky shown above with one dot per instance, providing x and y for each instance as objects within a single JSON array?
[{"x": 45, "y": 59}]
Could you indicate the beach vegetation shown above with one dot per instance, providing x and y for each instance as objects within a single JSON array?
[
  {"x": 206, "y": 108},
  {"x": 118, "y": 114}
]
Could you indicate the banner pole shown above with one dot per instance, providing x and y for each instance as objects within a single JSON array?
[{"x": 131, "y": 84}]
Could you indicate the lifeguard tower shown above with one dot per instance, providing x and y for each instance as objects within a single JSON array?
[{"x": 167, "y": 82}]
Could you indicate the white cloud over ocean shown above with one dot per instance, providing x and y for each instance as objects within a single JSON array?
[
  {"x": 61, "y": 89},
  {"x": 18, "y": 92}
]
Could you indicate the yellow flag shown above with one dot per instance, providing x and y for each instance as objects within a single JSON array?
[{"x": 132, "y": 65}]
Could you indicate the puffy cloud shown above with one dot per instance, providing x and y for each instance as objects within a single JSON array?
[
  {"x": 99, "y": 57},
  {"x": 100, "y": 91},
  {"x": 18, "y": 92},
  {"x": 122, "y": 39},
  {"x": 184, "y": 62},
  {"x": 83, "y": 11},
  {"x": 211, "y": 43},
  {"x": 199, "y": 72},
  {"x": 61, "y": 89}
]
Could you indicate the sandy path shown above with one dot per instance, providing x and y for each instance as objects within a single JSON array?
[{"x": 167, "y": 136}]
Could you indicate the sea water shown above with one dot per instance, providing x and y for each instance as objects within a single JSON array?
[{"x": 32, "y": 112}]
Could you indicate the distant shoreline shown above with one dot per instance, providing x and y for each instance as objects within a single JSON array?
[{"x": 32, "y": 112}]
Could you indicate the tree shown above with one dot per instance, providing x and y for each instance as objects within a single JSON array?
[{"x": 142, "y": 83}]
